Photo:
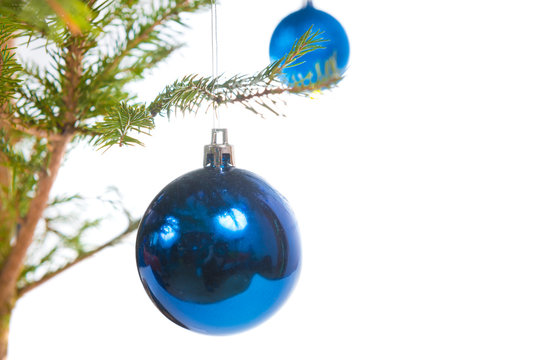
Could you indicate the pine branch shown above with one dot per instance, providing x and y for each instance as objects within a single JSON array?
[
  {"x": 139, "y": 38},
  {"x": 9, "y": 67},
  {"x": 135, "y": 38},
  {"x": 64, "y": 233},
  {"x": 37, "y": 107},
  {"x": 114, "y": 129},
  {"x": 189, "y": 94},
  {"x": 49, "y": 84},
  {"x": 144, "y": 38},
  {"x": 192, "y": 91},
  {"x": 133, "y": 225},
  {"x": 32, "y": 130}
]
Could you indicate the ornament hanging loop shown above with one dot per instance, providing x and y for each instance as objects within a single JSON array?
[
  {"x": 214, "y": 59},
  {"x": 219, "y": 154}
]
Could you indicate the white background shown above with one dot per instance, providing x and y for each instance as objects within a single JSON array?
[{"x": 416, "y": 185}]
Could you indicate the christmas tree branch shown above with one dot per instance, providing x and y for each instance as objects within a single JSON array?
[
  {"x": 71, "y": 80},
  {"x": 145, "y": 38},
  {"x": 132, "y": 226},
  {"x": 125, "y": 120},
  {"x": 9, "y": 67},
  {"x": 15, "y": 124},
  {"x": 139, "y": 37},
  {"x": 190, "y": 93}
]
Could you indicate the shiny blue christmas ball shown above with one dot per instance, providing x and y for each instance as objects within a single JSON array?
[
  {"x": 295, "y": 25},
  {"x": 218, "y": 250}
]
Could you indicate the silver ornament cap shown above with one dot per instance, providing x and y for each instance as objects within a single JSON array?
[{"x": 219, "y": 153}]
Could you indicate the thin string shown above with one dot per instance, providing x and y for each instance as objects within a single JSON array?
[{"x": 214, "y": 58}]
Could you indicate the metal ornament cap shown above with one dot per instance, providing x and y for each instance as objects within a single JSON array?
[{"x": 221, "y": 154}]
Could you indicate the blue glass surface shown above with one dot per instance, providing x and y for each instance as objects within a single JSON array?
[
  {"x": 218, "y": 250},
  {"x": 295, "y": 25}
]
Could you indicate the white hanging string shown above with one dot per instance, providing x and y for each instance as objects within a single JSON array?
[{"x": 214, "y": 58}]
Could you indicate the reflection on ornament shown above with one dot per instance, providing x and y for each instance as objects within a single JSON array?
[
  {"x": 233, "y": 220},
  {"x": 218, "y": 248},
  {"x": 169, "y": 232},
  {"x": 318, "y": 63}
]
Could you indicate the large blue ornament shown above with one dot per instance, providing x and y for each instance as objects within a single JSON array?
[
  {"x": 316, "y": 62},
  {"x": 218, "y": 248}
]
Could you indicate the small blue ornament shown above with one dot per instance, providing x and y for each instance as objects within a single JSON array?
[
  {"x": 218, "y": 248},
  {"x": 318, "y": 62}
]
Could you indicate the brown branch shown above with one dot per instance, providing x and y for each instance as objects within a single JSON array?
[
  {"x": 14, "y": 124},
  {"x": 301, "y": 89},
  {"x": 133, "y": 225},
  {"x": 65, "y": 16},
  {"x": 14, "y": 262},
  {"x": 133, "y": 43},
  {"x": 73, "y": 73}
]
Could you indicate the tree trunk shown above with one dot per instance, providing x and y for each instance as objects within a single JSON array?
[
  {"x": 5, "y": 316},
  {"x": 12, "y": 267}
]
